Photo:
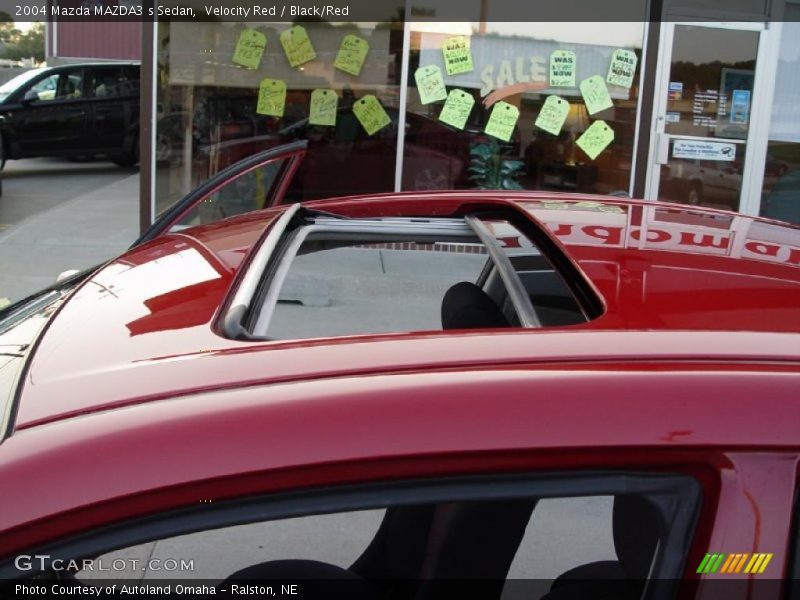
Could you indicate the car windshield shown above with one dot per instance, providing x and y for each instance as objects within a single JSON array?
[{"x": 12, "y": 85}]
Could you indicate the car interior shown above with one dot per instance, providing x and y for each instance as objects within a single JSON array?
[{"x": 416, "y": 548}]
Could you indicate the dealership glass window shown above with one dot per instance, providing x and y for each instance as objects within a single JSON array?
[
  {"x": 709, "y": 96},
  {"x": 780, "y": 198},
  {"x": 512, "y": 63},
  {"x": 208, "y": 114}
]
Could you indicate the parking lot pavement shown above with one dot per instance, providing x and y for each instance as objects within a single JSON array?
[{"x": 57, "y": 215}]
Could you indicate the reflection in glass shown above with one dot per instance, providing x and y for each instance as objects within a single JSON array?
[
  {"x": 781, "y": 193},
  {"x": 709, "y": 95},
  {"x": 515, "y": 67},
  {"x": 207, "y": 117}
]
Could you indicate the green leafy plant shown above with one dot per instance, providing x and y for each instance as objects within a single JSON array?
[{"x": 488, "y": 170}]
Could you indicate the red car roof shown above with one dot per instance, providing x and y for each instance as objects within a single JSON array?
[{"x": 140, "y": 328}]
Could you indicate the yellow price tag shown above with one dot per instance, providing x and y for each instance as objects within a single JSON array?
[
  {"x": 595, "y": 139},
  {"x": 562, "y": 68},
  {"x": 456, "y": 109},
  {"x": 502, "y": 121},
  {"x": 324, "y": 104},
  {"x": 595, "y": 94},
  {"x": 553, "y": 115},
  {"x": 297, "y": 46},
  {"x": 622, "y": 68},
  {"x": 457, "y": 55},
  {"x": 271, "y": 97},
  {"x": 352, "y": 54},
  {"x": 250, "y": 48},
  {"x": 370, "y": 114},
  {"x": 430, "y": 84}
]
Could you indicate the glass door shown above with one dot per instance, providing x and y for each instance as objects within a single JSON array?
[{"x": 705, "y": 96}]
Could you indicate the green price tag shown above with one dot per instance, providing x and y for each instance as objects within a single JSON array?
[
  {"x": 271, "y": 97},
  {"x": 595, "y": 94},
  {"x": 457, "y": 55},
  {"x": 553, "y": 114},
  {"x": 562, "y": 68},
  {"x": 595, "y": 139},
  {"x": 622, "y": 68},
  {"x": 323, "y": 107},
  {"x": 370, "y": 114},
  {"x": 502, "y": 121},
  {"x": 455, "y": 111},
  {"x": 430, "y": 84},
  {"x": 297, "y": 46},
  {"x": 352, "y": 54},
  {"x": 250, "y": 48}
]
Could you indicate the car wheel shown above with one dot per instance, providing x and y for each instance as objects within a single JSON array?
[
  {"x": 128, "y": 159},
  {"x": 163, "y": 148},
  {"x": 695, "y": 194}
]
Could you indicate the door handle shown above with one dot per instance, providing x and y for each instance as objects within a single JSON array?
[{"x": 662, "y": 149}]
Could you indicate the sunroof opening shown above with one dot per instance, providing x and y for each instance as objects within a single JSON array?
[{"x": 332, "y": 277}]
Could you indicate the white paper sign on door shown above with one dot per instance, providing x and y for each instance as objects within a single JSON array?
[{"x": 699, "y": 150}]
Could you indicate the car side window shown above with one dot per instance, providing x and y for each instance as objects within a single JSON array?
[
  {"x": 129, "y": 81},
  {"x": 44, "y": 89},
  {"x": 581, "y": 537},
  {"x": 244, "y": 193},
  {"x": 105, "y": 82},
  {"x": 66, "y": 85}
]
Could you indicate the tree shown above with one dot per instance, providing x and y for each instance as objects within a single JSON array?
[{"x": 8, "y": 33}]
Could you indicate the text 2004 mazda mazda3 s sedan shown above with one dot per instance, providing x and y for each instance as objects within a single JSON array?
[{"x": 544, "y": 397}]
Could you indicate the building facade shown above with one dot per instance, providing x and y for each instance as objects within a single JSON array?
[{"x": 695, "y": 106}]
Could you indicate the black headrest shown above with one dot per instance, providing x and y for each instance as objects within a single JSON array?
[
  {"x": 466, "y": 306},
  {"x": 637, "y": 530}
]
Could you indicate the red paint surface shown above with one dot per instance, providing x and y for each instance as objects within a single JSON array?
[{"x": 694, "y": 367}]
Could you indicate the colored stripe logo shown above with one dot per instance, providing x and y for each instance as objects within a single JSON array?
[{"x": 734, "y": 563}]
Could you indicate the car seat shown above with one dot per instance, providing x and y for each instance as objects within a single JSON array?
[
  {"x": 637, "y": 530},
  {"x": 467, "y": 306}
]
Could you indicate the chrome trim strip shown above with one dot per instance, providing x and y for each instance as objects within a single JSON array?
[
  {"x": 516, "y": 291},
  {"x": 240, "y": 303}
]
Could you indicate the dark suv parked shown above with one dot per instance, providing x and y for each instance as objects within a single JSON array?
[{"x": 72, "y": 110}]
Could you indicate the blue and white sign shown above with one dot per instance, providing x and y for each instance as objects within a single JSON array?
[
  {"x": 740, "y": 107},
  {"x": 701, "y": 150}
]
